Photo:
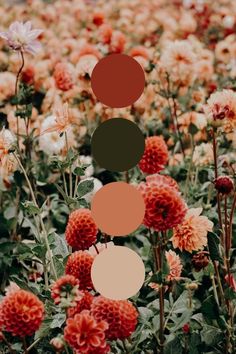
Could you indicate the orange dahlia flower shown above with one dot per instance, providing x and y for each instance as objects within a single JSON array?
[
  {"x": 85, "y": 334},
  {"x": 165, "y": 207},
  {"x": 191, "y": 234},
  {"x": 79, "y": 264},
  {"x": 121, "y": 316},
  {"x": 65, "y": 291},
  {"x": 22, "y": 313},
  {"x": 81, "y": 230},
  {"x": 155, "y": 155},
  {"x": 174, "y": 264}
]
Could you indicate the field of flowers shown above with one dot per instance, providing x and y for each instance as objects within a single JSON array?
[{"x": 48, "y": 177}]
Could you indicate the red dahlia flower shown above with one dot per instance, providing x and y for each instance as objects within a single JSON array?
[
  {"x": 22, "y": 313},
  {"x": 85, "y": 334},
  {"x": 81, "y": 230},
  {"x": 155, "y": 155},
  {"x": 121, "y": 316},
  {"x": 79, "y": 264}
]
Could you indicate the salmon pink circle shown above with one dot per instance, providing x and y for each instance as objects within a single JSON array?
[{"x": 118, "y": 209}]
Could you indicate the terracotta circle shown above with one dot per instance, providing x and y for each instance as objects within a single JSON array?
[
  {"x": 118, "y": 209},
  {"x": 117, "y": 144},
  {"x": 118, "y": 80},
  {"x": 118, "y": 273}
]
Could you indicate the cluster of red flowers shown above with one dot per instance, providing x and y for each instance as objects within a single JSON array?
[{"x": 92, "y": 320}]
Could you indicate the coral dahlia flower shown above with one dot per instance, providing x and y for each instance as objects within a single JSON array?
[
  {"x": 155, "y": 155},
  {"x": 174, "y": 264},
  {"x": 85, "y": 334},
  {"x": 165, "y": 207},
  {"x": 162, "y": 179},
  {"x": 63, "y": 77},
  {"x": 65, "y": 291},
  {"x": 21, "y": 37},
  {"x": 22, "y": 313},
  {"x": 81, "y": 230},
  {"x": 191, "y": 234},
  {"x": 121, "y": 316},
  {"x": 79, "y": 264}
]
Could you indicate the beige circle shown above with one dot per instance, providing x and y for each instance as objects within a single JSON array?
[
  {"x": 118, "y": 273},
  {"x": 118, "y": 209}
]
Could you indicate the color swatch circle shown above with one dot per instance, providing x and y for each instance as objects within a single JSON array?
[
  {"x": 118, "y": 209},
  {"x": 118, "y": 80},
  {"x": 117, "y": 144},
  {"x": 118, "y": 273}
]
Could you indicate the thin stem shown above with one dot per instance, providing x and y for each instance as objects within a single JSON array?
[
  {"x": 64, "y": 183},
  {"x": 16, "y": 92},
  {"x": 127, "y": 176},
  {"x": 189, "y": 169},
  {"x": 216, "y": 176},
  {"x": 177, "y": 126},
  {"x": 70, "y": 169},
  {"x": 77, "y": 180},
  {"x": 25, "y": 345},
  {"x": 158, "y": 260},
  {"x": 8, "y": 344},
  {"x": 231, "y": 219},
  {"x": 96, "y": 249},
  {"x": 218, "y": 281},
  {"x": 32, "y": 345}
]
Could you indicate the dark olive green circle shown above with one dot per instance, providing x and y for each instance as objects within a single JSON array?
[{"x": 117, "y": 144}]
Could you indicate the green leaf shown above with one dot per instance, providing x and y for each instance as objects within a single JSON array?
[
  {"x": 59, "y": 266},
  {"x": 195, "y": 340},
  {"x": 211, "y": 335},
  {"x": 85, "y": 187},
  {"x": 60, "y": 248},
  {"x": 213, "y": 245},
  {"x": 145, "y": 314},
  {"x": 173, "y": 347},
  {"x": 23, "y": 285},
  {"x": 209, "y": 308},
  {"x": 58, "y": 320},
  {"x": 44, "y": 329},
  {"x": 79, "y": 171}
]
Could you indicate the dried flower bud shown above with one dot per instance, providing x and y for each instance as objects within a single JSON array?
[
  {"x": 224, "y": 184},
  {"x": 200, "y": 260},
  {"x": 57, "y": 343},
  {"x": 192, "y": 286}
]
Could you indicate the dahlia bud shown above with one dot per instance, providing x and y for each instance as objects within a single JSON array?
[
  {"x": 57, "y": 343},
  {"x": 200, "y": 260},
  {"x": 186, "y": 328},
  {"x": 224, "y": 185}
]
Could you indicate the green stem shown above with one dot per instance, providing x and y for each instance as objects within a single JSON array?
[
  {"x": 70, "y": 169},
  {"x": 216, "y": 176},
  {"x": 32, "y": 345}
]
